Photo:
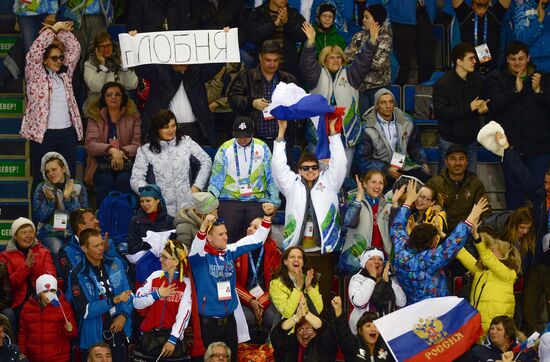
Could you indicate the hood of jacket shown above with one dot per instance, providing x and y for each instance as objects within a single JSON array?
[
  {"x": 102, "y": 114},
  {"x": 48, "y": 156},
  {"x": 189, "y": 216}
]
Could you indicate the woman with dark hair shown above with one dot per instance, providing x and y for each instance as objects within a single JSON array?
[
  {"x": 368, "y": 338},
  {"x": 151, "y": 216},
  {"x": 499, "y": 345},
  {"x": 112, "y": 139},
  {"x": 427, "y": 209},
  {"x": 52, "y": 120},
  {"x": 104, "y": 66},
  {"x": 292, "y": 282},
  {"x": 168, "y": 155},
  {"x": 166, "y": 299}
]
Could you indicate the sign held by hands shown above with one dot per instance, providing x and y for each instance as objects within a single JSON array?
[{"x": 180, "y": 47}]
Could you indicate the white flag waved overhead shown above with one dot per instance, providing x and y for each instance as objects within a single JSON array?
[{"x": 180, "y": 47}]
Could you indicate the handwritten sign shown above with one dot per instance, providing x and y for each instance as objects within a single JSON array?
[{"x": 180, "y": 47}]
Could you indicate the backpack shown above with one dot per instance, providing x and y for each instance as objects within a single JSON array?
[
  {"x": 423, "y": 103},
  {"x": 114, "y": 216}
]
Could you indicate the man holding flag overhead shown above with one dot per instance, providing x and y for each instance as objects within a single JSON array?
[{"x": 311, "y": 216}]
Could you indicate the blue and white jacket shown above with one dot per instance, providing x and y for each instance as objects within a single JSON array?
[
  {"x": 36, "y": 7},
  {"x": 88, "y": 307},
  {"x": 526, "y": 28},
  {"x": 209, "y": 269}
]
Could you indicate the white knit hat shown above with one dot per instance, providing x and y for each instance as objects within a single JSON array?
[
  {"x": 18, "y": 223},
  {"x": 45, "y": 282},
  {"x": 486, "y": 137},
  {"x": 367, "y": 254}
]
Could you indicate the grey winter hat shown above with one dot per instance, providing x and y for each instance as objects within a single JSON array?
[
  {"x": 205, "y": 202},
  {"x": 380, "y": 93}
]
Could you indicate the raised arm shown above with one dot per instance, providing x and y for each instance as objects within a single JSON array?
[{"x": 310, "y": 67}]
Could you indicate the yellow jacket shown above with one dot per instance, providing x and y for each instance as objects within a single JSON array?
[
  {"x": 492, "y": 291},
  {"x": 286, "y": 301},
  {"x": 437, "y": 219}
]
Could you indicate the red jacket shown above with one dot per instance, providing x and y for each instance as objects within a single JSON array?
[
  {"x": 271, "y": 261},
  {"x": 42, "y": 333},
  {"x": 20, "y": 273}
]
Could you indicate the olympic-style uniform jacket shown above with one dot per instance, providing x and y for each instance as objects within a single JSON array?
[
  {"x": 173, "y": 311},
  {"x": 324, "y": 195},
  {"x": 87, "y": 303},
  {"x": 215, "y": 266}
]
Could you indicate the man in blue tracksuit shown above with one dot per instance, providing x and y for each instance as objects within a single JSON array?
[
  {"x": 71, "y": 253},
  {"x": 212, "y": 262},
  {"x": 101, "y": 298}
]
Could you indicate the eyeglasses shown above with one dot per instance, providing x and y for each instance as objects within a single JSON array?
[
  {"x": 109, "y": 95},
  {"x": 105, "y": 46},
  {"x": 307, "y": 168},
  {"x": 56, "y": 58},
  {"x": 303, "y": 330},
  {"x": 425, "y": 198}
]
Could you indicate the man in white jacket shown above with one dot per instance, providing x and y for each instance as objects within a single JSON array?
[{"x": 312, "y": 218}]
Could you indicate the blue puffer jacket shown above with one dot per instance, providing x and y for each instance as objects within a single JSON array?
[
  {"x": 404, "y": 11},
  {"x": 420, "y": 272},
  {"x": 89, "y": 309}
]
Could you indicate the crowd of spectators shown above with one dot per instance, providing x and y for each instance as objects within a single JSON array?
[{"x": 204, "y": 261}]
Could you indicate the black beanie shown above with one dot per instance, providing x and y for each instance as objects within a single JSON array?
[
  {"x": 378, "y": 13},
  {"x": 326, "y": 7}
]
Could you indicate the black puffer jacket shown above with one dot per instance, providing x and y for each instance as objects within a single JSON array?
[
  {"x": 451, "y": 101},
  {"x": 149, "y": 15},
  {"x": 525, "y": 116}
]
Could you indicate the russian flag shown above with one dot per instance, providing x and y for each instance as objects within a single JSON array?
[
  {"x": 436, "y": 329},
  {"x": 290, "y": 102}
]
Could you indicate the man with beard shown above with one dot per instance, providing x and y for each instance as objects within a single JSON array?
[
  {"x": 460, "y": 189},
  {"x": 480, "y": 25}
]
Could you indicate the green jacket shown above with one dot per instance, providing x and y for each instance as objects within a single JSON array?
[
  {"x": 458, "y": 202},
  {"x": 326, "y": 39}
]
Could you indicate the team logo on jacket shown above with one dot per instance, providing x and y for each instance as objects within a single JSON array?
[
  {"x": 320, "y": 186},
  {"x": 467, "y": 194},
  {"x": 430, "y": 330},
  {"x": 382, "y": 354}
]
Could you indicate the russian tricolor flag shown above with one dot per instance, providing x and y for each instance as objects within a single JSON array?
[
  {"x": 290, "y": 102},
  {"x": 436, "y": 329}
]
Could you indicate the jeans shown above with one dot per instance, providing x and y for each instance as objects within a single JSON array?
[
  {"x": 53, "y": 243},
  {"x": 107, "y": 181},
  {"x": 63, "y": 141},
  {"x": 470, "y": 148},
  {"x": 29, "y": 27},
  {"x": 515, "y": 197}
]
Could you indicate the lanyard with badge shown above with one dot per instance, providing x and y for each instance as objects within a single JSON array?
[
  {"x": 266, "y": 112},
  {"x": 482, "y": 50},
  {"x": 256, "y": 290},
  {"x": 245, "y": 186},
  {"x": 224, "y": 287},
  {"x": 397, "y": 158},
  {"x": 102, "y": 291}
]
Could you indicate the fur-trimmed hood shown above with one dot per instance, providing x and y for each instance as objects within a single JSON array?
[{"x": 94, "y": 112}]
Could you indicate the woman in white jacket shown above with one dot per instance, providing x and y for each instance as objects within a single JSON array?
[
  {"x": 373, "y": 289},
  {"x": 168, "y": 155}
]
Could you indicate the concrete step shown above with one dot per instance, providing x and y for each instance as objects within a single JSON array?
[
  {"x": 14, "y": 168},
  {"x": 12, "y": 105},
  {"x": 6, "y": 42},
  {"x": 15, "y": 188},
  {"x": 12, "y": 209},
  {"x": 13, "y": 147},
  {"x": 10, "y": 126}
]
